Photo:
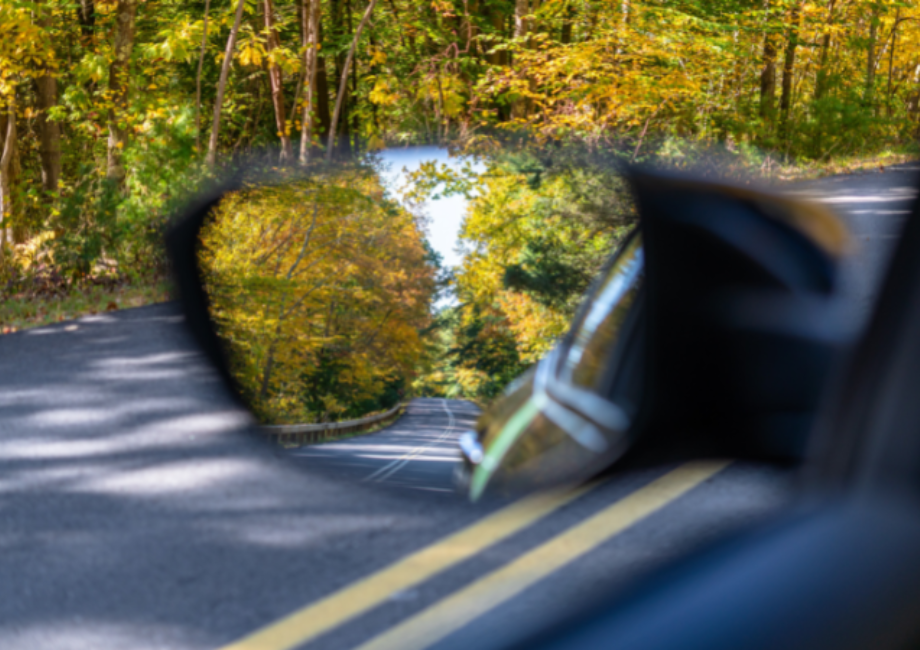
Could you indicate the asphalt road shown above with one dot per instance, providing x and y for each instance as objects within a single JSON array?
[
  {"x": 418, "y": 452},
  {"x": 140, "y": 509},
  {"x": 874, "y": 206}
]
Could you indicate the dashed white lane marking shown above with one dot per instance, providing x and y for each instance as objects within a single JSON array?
[{"x": 391, "y": 468}]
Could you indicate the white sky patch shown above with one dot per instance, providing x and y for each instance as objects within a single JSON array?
[{"x": 446, "y": 215}]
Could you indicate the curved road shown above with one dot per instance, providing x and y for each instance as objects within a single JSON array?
[
  {"x": 419, "y": 451},
  {"x": 141, "y": 510}
]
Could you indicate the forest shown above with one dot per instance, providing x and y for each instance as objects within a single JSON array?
[{"x": 113, "y": 112}]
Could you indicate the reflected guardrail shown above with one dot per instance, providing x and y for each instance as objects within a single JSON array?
[{"x": 305, "y": 434}]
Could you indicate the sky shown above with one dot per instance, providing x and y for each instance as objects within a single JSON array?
[{"x": 446, "y": 215}]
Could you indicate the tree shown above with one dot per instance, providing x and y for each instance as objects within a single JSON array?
[
  {"x": 340, "y": 95},
  {"x": 6, "y": 161},
  {"x": 222, "y": 83},
  {"x": 792, "y": 42},
  {"x": 119, "y": 87},
  {"x": 276, "y": 81},
  {"x": 310, "y": 23},
  {"x": 321, "y": 288},
  {"x": 768, "y": 78},
  {"x": 204, "y": 44},
  {"x": 49, "y": 131}
]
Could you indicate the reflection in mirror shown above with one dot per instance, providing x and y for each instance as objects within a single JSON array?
[
  {"x": 586, "y": 359},
  {"x": 319, "y": 286}
]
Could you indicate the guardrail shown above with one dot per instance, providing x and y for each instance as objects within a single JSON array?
[{"x": 326, "y": 431}]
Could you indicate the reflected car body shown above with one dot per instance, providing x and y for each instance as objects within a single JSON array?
[{"x": 715, "y": 319}]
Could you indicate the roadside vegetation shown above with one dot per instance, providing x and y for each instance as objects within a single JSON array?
[
  {"x": 112, "y": 112},
  {"x": 321, "y": 288}
]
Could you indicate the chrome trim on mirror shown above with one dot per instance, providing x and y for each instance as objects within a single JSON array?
[
  {"x": 599, "y": 410},
  {"x": 578, "y": 428},
  {"x": 471, "y": 447},
  {"x": 605, "y": 413}
]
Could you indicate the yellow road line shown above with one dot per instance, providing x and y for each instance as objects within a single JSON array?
[
  {"x": 441, "y": 619},
  {"x": 316, "y": 619}
]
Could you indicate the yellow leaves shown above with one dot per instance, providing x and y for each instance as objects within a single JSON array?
[
  {"x": 511, "y": 223},
  {"x": 375, "y": 143},
  {"x": 318, "y": 275},
  {"x": 285, "y": 59},
  {"x": 536, "y": 328},
  {"x": 33, "y": 251},
  {"x": 251, "y": 52},
  {"x": 25, "y": 48},
  {"x": 377, "y": 56},
  {"x": 382, "y": 95},
  {"x": 446, "y": 91}
]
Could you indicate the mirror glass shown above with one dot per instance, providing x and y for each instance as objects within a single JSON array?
[
  {"x": 587, "y": 359},
  {"x": 320, "y": 288},
  {"x": 327, "y": 295},
  {"x": 324, "y": 290}
]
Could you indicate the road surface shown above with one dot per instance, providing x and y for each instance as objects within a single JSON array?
[
  {"x": 418, "y": 452},
  {"x": 141, "y": 509},
  {"x": 874, "y": 206}
]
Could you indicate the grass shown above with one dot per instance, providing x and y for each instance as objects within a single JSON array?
[
  {"x": 27, "y": 310},
  {"x": 809, "y": 169}
]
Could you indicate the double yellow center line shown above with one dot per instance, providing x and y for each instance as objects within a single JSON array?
[{"x": 450, "y": 614}]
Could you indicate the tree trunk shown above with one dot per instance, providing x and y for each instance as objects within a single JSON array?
[
  {"x": 871, "y": 55},
  {"x": 322, "y": 94},
  {"x": 276, "y": 80},
  {"x": 768, "y": 79},
  {"x": 222, "y": 84},
  {"x": 497, "y": 19},
  {"x": 894, "y": 43},
  {"x": 521, "y": 18},
  {"x": 6, "y": 185},
  {"x": 125, "y": 12},
  {"x": 49, "y": 131},
  {"x": 520, "y": 108},
  {"x": 339, "y": 33},
  {"x": 567, "y": 21},
  {"x": 86, "y": 16},
  {"x": 792, "y": 42},
  {"x": 204, "y": 43},
  {"x": 821, "y": 81},
  {"x": 310, "y": 22},
  {"x": 343, "y": 82}
]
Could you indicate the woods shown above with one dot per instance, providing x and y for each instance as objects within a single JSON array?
[
  {"x": 321, "y": 289},
  {"x": 112, "y": 111}
]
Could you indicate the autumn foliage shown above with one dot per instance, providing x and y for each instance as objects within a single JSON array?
[
  {"x": 320, "y": 287},
  {"x": 113, "y": 111}
]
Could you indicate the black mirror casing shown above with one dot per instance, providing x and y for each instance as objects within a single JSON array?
[
  {"x": 722, "y": 341},
  {"x": 741, "y": 317},
  {"x": 182, "y": 247}
]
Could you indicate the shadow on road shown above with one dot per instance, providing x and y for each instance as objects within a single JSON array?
[{"x": 140, "y": 510}]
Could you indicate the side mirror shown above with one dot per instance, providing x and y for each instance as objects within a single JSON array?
[{"x": 713, "y": 328}]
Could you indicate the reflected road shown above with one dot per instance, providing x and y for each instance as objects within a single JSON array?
[{"x": 419, "y": 451}]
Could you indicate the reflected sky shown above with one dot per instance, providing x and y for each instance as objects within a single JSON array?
[{"x": 446, "y": 214}]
